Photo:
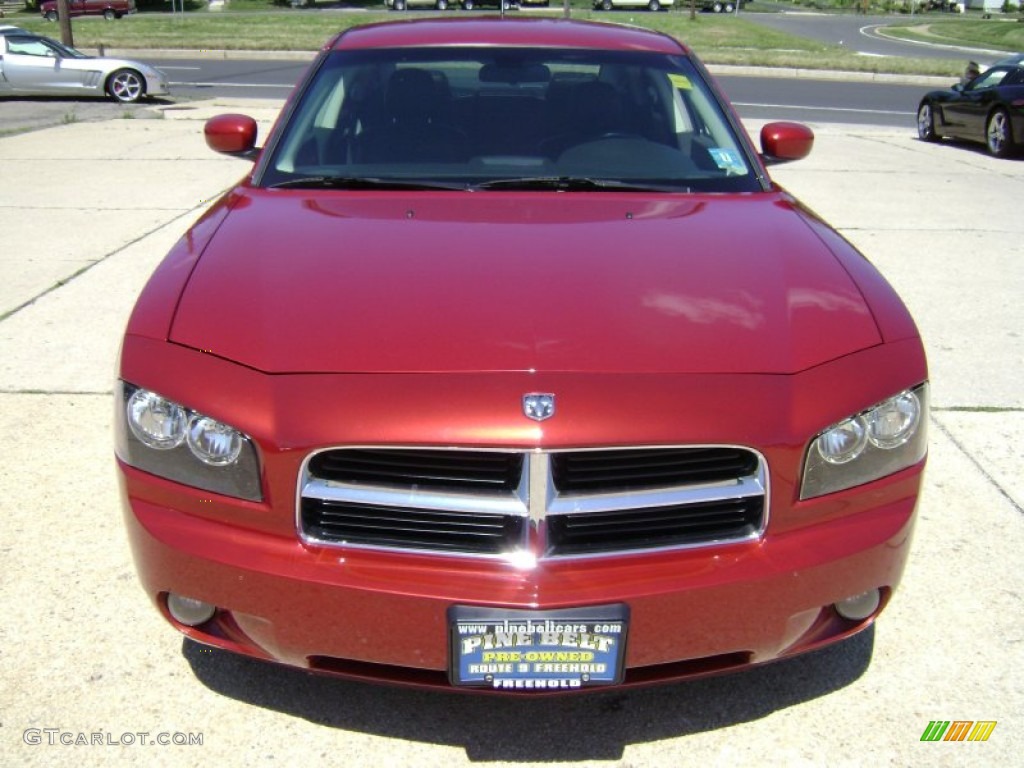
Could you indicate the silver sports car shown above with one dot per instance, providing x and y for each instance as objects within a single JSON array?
[{"x": 33, "y": 65}]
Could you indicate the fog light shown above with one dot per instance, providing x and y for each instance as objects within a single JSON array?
[
  {"x": 859, "y": 607},
  {"x": 188, "y": 610}
]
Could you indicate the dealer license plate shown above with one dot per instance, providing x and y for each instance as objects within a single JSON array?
[{"x": 512, "y": 650}]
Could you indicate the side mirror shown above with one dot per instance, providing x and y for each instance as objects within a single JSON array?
[
  {"x": 783, "y": 142},
  {"x": 233, "y": 135}
]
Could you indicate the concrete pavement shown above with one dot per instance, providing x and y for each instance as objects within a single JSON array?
[{"x": 87, "y": 210}]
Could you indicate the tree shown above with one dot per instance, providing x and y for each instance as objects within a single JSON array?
[{"x": 64, "y": 17}]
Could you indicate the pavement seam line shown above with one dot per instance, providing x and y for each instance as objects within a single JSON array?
[
  {"x": 927, "y": 229},
  {"x": 920, "y": 147},
  {"x": 55, "y": 392},
  {"x": 981, "y": 468},
  {"x": 78, "y": 273},
  {"x": 978, "y": 409}
]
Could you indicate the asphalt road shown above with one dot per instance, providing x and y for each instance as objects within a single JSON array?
[
  {"x": 860, "y": 34},
  {"x": 824, "y": 101}
]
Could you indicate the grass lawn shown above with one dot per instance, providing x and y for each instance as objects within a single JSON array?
[
  {"x": 718, "y": 39},
  {"x": 1000, "y": 34}
]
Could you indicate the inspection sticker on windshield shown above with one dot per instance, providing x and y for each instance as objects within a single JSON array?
[
  {"x": 728, "y": 159},
  {"x": 515, "y": 650},
  {"x": 681, "y": 82}
]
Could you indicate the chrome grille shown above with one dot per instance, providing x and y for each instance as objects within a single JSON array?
[{"x": 575, "y": 503}]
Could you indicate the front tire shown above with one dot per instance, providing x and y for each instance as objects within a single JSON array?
[
  {"x": 126, "y": 86},
  {"x": 606, "y": 5},
  {"x": 441, "y": 5},
  {"x": 926, "y": 122},
  {"x": 999, "y": 134},
  {"x": 51, "y": 15},
  {"x": 109, "y": 15},
  {"x": 654, "y": 5},
  {"x": 467, "y": 5}
]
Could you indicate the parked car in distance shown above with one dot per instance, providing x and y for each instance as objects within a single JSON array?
[
  {"x": 650, "y": 5},
  {"x": 466, "y": 5},
  {"x": 401, "y": 5},
  {"x": 471, "y": 5},
  {"x": 988, "y": 110},
  {"x": 33, "y": 65},
  {"x": 508, "y": 368},
  {"x": 721, "y": 6},
  {"x": 108, "y": 9}
]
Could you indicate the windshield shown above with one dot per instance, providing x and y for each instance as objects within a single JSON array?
[{"x": 509, "y": 118}]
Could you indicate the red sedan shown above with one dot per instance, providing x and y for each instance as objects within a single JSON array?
[{"x": 508, "y": 368}]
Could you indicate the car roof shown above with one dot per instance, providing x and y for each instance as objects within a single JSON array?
[
  {"x": 1015, "y": 60},
  {"x": 537, "y": 33},
  {"x": 17, "y": 32}
]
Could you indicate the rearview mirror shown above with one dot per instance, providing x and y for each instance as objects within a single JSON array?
[{"x": 514, "y": 73}]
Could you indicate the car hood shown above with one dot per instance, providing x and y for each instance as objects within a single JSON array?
[{"x": 295, "y": 281}]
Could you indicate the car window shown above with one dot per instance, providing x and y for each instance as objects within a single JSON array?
[
  {"x": 988, "y": 79},
  {"x": 35, "y": 46},
  {"x": 475, "y": 116},
  {"x": 28, "y": 46}
]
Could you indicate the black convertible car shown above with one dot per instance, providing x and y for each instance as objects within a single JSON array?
[{"x": 988, "y": 109}]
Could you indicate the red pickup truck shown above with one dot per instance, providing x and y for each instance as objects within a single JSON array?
[{"x": 108, "y": 9}]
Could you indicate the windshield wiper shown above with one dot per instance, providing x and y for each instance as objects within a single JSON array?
[
  {"x": 575, "y": 184},
  {"x": 363, "y": 182}
]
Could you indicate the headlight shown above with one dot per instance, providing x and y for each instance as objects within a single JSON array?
[
  {"x": 880, "y": 441},
  {"x": 164, "y": 438},
  {"x": 895, "y": 421},
  {"x": 844, "y": 442},
  {"x": 213, "y": 443},
  {"x": 156, "y": 422}
]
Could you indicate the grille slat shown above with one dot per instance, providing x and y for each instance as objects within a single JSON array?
[
  {"x": 662, "y": 527},
  {"x": 598, "y": 502},
  {"x": 385, "y": 519},
  {"x": 605, "y": 471},
  {"x": 432, "y": 469},
  {"x": 370, "y": 525}
]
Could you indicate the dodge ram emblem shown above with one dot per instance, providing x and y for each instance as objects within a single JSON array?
[{"x": 539, "y": 406}]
